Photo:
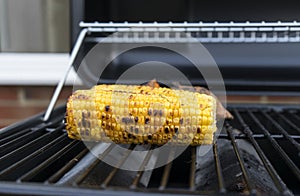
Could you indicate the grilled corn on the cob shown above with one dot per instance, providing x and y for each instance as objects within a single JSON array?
[{"x": 141, "y": 114}]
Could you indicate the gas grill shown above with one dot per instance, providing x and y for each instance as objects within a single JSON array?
[{"x": 256, "y": 153}]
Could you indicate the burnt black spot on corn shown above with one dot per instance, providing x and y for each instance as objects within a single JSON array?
[
  {"x": 136, "y": 119},
  {"x": 147, "y": 120},
  {"x": 181, "y": 121},
  {"x": 160, "y": 113},
  {"x": 151, "y": 115},
  {"x": 166, "y": 130}
]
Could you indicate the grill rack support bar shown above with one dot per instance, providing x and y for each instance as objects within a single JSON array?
[
  {"x": 63, "y": 79},
  {"x": 221, "y": 183},
  {"x": 227, "y": 32},
  {"x": 189, "y": 24},
  {"x": 240, "y": 159}
]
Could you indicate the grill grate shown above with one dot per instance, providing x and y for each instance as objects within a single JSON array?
[{"x": 256, "y": 153}]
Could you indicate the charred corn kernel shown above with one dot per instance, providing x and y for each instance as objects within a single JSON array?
[{"x": 140, "y": 115}]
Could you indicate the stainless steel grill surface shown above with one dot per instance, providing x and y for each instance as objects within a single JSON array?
[{"x": 256, "y": 153}]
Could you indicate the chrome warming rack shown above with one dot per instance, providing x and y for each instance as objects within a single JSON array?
[{"x": 231, "y": 32}]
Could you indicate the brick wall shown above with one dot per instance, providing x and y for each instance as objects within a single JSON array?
[{"x": 20, "y": 102}]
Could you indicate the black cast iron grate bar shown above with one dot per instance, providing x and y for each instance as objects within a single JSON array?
[
  {"x": 55, "y": 177},
  {"x": 167, "y": 169},
  {"x": 116, "y": 168},
  {"x": 87, "y": 170},
  {"x": 20, "y": 141},
  {"x": 290, "y": 123},
  {"x": 27, "y": 176},
  {"x": 19, "y": 130},
  {"x": 28, "y": 148},
  {"x": 221, "y": 183},
  {"x": 240, "y": 160},
  {"x": 287, "y": 136},
  {"x": 282, "y": 153},
  {"x": 294, "y": 115},
  {"x": 26, "y": 137},
  {"x": 192, "y": 169},
  {"x": 31, "y": 156},
  {"x": 275, "y": 177},
  {"x": 141, "y": 169},
  {"x": 151, "y": 190},
  {"x": 261, "y": 136},
  {"x": 36, "y": 189},
  {"x": 14, "y": 136}
]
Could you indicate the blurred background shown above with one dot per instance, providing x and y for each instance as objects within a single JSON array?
[
  {"x": 34, "y": 51},
  {"x": 35, "y": 25}
]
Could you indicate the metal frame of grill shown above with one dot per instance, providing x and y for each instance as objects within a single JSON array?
[{"x": 37, "y": 156}]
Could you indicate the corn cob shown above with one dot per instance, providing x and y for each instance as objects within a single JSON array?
[{"x": 131, "y": 114}]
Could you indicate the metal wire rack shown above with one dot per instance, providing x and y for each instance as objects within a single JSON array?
[{"x": 203, "y": 32}]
